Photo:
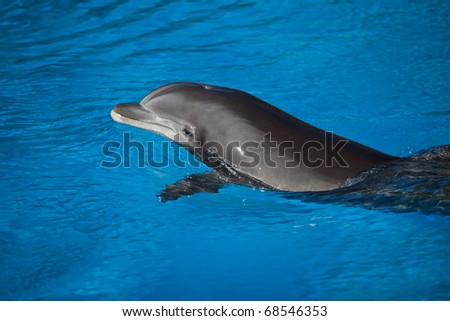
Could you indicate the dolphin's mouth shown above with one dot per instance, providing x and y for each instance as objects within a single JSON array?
[{"x": 136, "y": 115}]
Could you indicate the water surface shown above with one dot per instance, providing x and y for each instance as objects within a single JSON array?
[{"x": 374, "y": 71}]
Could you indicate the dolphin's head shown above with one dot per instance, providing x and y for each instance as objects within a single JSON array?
[
  {"x": 174, "y": 111},
  {"x": 163, "y": 111}
]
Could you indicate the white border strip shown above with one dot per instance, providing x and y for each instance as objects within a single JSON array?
[{"x": 196, "y": 310}]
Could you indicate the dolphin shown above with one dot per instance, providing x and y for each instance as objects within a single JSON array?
[{"x": 246, "y": 140}]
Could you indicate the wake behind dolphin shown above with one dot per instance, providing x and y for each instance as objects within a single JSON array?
[
  {"x": 419, "y": 183},
  {"x": 248, "y": 141}
]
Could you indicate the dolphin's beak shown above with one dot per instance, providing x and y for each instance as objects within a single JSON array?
[
  {"x": 131, "y": 111},
  {"x": 137, "y": 115}
]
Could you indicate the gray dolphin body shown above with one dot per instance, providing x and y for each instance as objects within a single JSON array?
[{"x": 269, "y": 148}]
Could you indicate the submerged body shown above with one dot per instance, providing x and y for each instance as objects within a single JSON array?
[{"x": 268, "y": 145}]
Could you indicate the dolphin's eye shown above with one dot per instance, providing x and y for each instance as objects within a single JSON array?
[{"x": 187, "y": 132}]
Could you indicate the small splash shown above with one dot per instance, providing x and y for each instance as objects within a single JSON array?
[{"x": 438, "y": 152}]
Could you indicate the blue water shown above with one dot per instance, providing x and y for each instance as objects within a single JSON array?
[{"x": 374, "y": 71}]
